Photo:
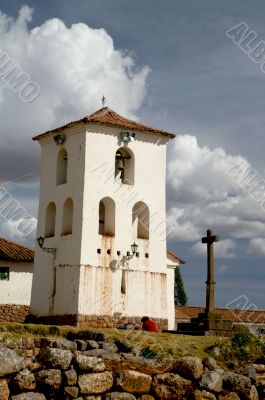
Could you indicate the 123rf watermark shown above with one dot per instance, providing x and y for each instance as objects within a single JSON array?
[
  {"x": 250, "y": 181},
  {"x": 13, "y": 212},
  {"x": 19, "y": 81},
  {"x": 247, "y": 40}
]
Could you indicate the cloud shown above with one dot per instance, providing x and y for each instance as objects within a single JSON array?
[
  {"x": 257, "y": 247},
  {"x": 223, "y": 249},
  {"x": 13, "y": 230},
  {"x": 202, "y": 194},
  {"x": 74, "y": 67}
]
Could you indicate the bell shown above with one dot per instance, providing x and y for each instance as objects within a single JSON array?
[{"x": 120, "y": 164}]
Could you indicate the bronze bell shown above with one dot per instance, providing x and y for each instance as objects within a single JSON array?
[{"x": 120, "y": 164}]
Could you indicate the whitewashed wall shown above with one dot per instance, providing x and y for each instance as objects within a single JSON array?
[
  {"x": 18, "y": 289},
  {"x": 65, "y": 285}
]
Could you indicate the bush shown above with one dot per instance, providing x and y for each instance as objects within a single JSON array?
[
  {"x": 241, "y": 339},
  {"x": 123, "y": 346},
  {"x": 54, "y": 330},
  {"x": 240, "y": 348},
  {"x": 147, "y": 352}
]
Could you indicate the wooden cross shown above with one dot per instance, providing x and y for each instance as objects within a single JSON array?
[{"x": 210, "y": 239}]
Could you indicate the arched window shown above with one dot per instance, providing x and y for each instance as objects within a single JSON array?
[
  {"x": 124, "y": 165},
  {"x": 140, "y": 219},
  {"x": 67, "y": 226},
  {"x": 50, "y": 220},
  {"x": 61, "y": 176},
  {"x": 106, "y": 217}
]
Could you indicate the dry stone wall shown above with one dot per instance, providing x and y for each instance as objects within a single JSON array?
[
  {"x": 53, "y": 369},
  {"x": 13, "y": 313},
  {"x": 21, "y": 313}
]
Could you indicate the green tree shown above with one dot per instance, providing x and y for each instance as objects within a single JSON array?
[{"x": 180, "y": 296}]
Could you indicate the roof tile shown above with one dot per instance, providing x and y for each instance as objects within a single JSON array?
[
  {"x": 10, "y": 251},
  {"x": 235, "y": 315},
  {"x": 106, "y": 116}
]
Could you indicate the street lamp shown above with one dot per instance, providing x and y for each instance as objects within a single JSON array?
[
  {"x": 52, "y": 250},
  {"x": 126, "y": 259},
  {"x": 134, "y": 248}
]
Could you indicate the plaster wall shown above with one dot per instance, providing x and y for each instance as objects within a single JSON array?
[{"x": 17, "y": 289}]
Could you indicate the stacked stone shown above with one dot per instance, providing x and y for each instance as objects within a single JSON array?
[
  {"x": 95, "y": 321},
  {"x": 21, "y": 313},
  {"x": 13, "y": 313},
  {"x": 40, "y": 369}
]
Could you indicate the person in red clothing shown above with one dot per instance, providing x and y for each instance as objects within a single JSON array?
[{"x": 148, "y": 325}]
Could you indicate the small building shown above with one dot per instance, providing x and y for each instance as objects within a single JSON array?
[
  {"x": 253, "y": 319},
  {"x": 16, "y": 272}
]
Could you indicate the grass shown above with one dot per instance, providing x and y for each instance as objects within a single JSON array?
[{"x": 153, "y": 344}]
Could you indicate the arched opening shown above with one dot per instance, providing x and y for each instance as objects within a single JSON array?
[
  {"x": 140, "y": 220},
  {"x": 106, "y": 224},
  {"x": 61, "y": 174},
  {"x": 124, "y": 165},
  {"x": 67, "y": 226},
  {"x": 50, "y": 220}
]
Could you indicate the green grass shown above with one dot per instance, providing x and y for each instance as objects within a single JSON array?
[{"x": 163, "y": 345}]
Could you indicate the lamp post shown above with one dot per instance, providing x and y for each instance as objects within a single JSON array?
[{"x": 52, "y": 250}]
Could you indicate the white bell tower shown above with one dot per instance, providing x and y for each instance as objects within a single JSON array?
[{"x": 102, "y": 258}]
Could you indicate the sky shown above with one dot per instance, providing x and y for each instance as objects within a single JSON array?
[{"x": 181, "y": 66}]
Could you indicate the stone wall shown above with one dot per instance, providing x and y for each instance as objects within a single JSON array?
[
  {"x": 53, "y": 369},
  {"x": 21, "y": 313},
  {"x": 94, "y": 321},
  {"x": 13, "y": 313}
]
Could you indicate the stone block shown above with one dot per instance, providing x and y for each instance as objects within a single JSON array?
[
  {"x": 50, "y": 379},
  {"x": 134, "y": 382},
  {"x": 4, "y": 390},
  {"x": 70, "y": 377},
  {"x": 10, "y": 362},
  {"x": 24, "y": 381},
  {"x": 55, "y": 358},
  {"x": 95, "y": 383},
  {"x": 169, "y": 386},
  {"x": 189, "y": 367}
]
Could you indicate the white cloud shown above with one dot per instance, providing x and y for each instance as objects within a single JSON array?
[
  {"x": 257, "y": 247},
  {"x": 13, "y": 230},
  {"x": 74, "y": 67},
  {"x": 223, "y": 249},
  {"x": 202, "y": 195}
]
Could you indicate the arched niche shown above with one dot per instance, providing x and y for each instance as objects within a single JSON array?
[
  {"x": 124, "y": 165},
  {"x": 140, "y": 220},
  {"x": 106, "y": 217}
]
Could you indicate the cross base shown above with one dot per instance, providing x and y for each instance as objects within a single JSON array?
[
  {"x": 205, "y": 323},
  {"x": 209, "y": 316}
]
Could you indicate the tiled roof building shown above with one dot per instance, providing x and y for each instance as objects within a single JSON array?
[{"x": 10, "y": 251}]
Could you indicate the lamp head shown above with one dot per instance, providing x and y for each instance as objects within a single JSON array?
[
  {"x": 40, "y": 241},
  {"x": 134, "y": 247}
]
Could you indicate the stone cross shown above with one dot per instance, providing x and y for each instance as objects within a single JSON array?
[{"x": 210, "y": 239}]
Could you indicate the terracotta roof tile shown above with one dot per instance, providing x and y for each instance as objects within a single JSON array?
[
  {"x": 106, "y": 116},
  {"x": 235, "y": 315},
  {"x": 10, "y": 251}
]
